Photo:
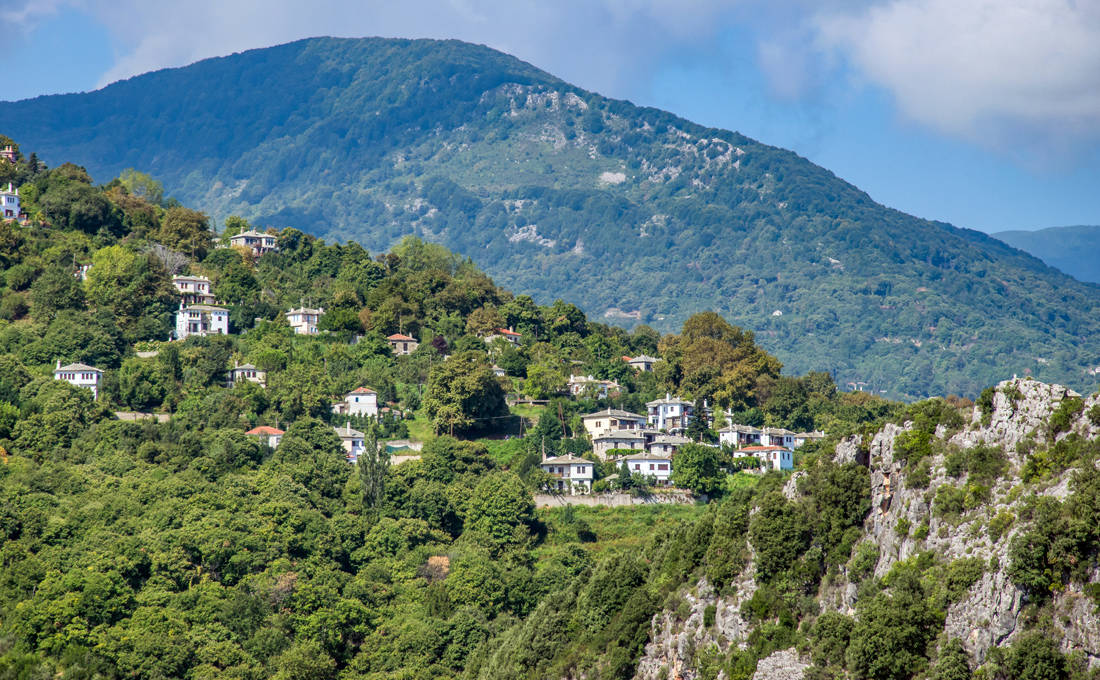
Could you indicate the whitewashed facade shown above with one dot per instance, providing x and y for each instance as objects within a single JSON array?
[
  {"x": 201, "y": 320},
  {"x": 80, "y": 375},
  {"x": 570, "y": 474}
]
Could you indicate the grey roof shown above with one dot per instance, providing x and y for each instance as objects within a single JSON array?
[
  {"x": 643, "y": 357},
  {"x": 347, "y": 432},
  {"x": 644, "y": 456},
  {"x": 251, "y": 233},
  {"x": 747, "y": 429},
  {"x": 777, "y": 430},
  {"x": 668, "y": 400},
  {"x": 810, "y": 435},
  {"x": 618, "y": 434},
  {"x": 78, "y": 367},
  {"x": 670, "y": 439},
  {"x": 567, "y": 460},
  {"x": 244, "y": 367},
  {"x": 203, "y": 308},
  {"x": 613, "y": 412}
]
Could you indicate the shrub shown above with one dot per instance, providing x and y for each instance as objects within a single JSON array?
[
  {"x": 1094, "y": 415},
  {"x": 1035, "y": 656},
  {"x": 830, "y": 635},
  {"x": 920, "y": 476},
  {"x": 985, "y": 403},
  {"x": 1062, "y": 418},
  {"x": 902, "y": 527},
  {"x": 863, "y": 562},
  {"x": 999, "y": 525},
  {"x": 949, "y": 501},
  {"x": 709, "y": 614}
]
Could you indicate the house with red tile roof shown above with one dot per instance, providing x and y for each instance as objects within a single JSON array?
[
  {"x": 402, "y": 344},
  {"x": 267, "y": 434},
  {"x": 362, "y": 401}
]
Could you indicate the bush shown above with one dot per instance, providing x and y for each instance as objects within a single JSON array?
[
  {"x": 1035, "y": 656},
  {"x": 1062, "y": 418},
  {"x": 949, "y": 501},
  {"x": 999, "y": 525},
  {"x": 863, "y": 562}
]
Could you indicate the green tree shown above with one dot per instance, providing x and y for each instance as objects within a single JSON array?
[
  {"x": 464, "y": 396},
  {"x": 142, "y": 185},
  {"x": 372, "y": 465},
  {"x": 187, "y": 231},
  {"x": 500, "y": 509},
  {"x": 953, "y": 663},
  {"x": 54, "y": 290},
  {"x": 698, "y": 468}
]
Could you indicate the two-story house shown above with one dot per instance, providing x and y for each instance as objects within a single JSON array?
[
  {"x": 259, "y": 243},
  {"x": 601, "y": 389},
  {"x": 506, "y": 333},
  {"x": 8, "y": 153},
  {"x": 670, "y": 414},
  {"x": 777, "y": 436},
  {"x": 570, "y": 473},
  {"x": 774, "y": 457},
  {"x": 612, "y": 419},
  {"x": 245, "y": 372},
  {"x": 362, "y": 401},
  {"x": 605, "y": 441},
  {"x": 9, "y": 203},
  {"x": 80, "y": 375},
  {"x": 268, "y": 435},
  {"x": 194, "y": 289},
  {"x": 803, "y": 437},
  {"x": 739, "y": 435},
  {"x": 642, "y": 363},
  {"x": 657, "y": 467},
  {"x": 666, "y": 445},
  {"x": 201, "y": 320},
  {"x": 304, "y": 320},
  {"x": 352, "y": 441},
  {"x": 402, "y": 344}
]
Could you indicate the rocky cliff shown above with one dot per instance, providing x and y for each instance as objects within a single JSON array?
[{"x": 963, "y": 502}]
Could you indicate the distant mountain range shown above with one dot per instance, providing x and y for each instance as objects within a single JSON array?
[
  {"x": 636, "y": 214},
  {"x": 1074, "y": 250}
]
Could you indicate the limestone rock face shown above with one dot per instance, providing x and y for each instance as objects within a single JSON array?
[{"x": 988, "y": 614}]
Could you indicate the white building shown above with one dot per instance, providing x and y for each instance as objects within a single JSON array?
[
  {"x": 506, "y": 333},
  {"x": 352, "y": 441},
  {"x": 777, "y": 436},
  {"x": 80, "y": 375},
  {"x": 9, "y": 203},
  {"x": 642, "y": 363},
  {"x": 803, "y": 437},
  {"x": 608, "y": 440},
  {"x": 498, "y": 371},
  {"x": 602, "y": 389},
  {"x": 246, "y": 372},
  {"x": 570, "y": 473},
  {"x": 402, "y": 344},
  {"x": 304, "y": 320},
  {"x": 739, "y": 435},
  {"x": 259, "y": 243},
  {"x": 362, "y": 401},
  {"x": 201, "y": 320},
  {"x": 774, "y": 457},
  {"x": 613, "y": 420},
  {"x": 666, "y": 444},
  {"x": 194, "y": 289},
  {"x": 268, "y": 435},
  {"x": 670, "y": 414},
  {"x": 8, "y": 153},
  {"x": 658, "y": 467}
]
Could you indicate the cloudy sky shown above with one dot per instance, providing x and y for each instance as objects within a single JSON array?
[{"x": 983, "y": 113}]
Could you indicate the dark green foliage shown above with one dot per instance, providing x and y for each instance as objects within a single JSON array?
[
  {"x": 1035, "y": 656},
  {"x": 697, "y": 467},
  {"x": 469, "y": 123},
  {"x": 892, "y": 631},
  {"x": 953, "y": 662},
  {"x": 1062, "y": 418},
  {"x": 779, "y": 535},
  {"x": 830, "y": 635},
  {"x": 982, "y": 464}
]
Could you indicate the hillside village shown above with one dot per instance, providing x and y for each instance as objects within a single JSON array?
[{"x": 249, "y": 453}]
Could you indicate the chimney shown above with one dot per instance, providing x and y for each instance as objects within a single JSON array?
[{"x": 58, "y": 365}]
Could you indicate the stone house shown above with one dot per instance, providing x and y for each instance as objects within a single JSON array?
[
  {"x": 304, "y": 320},
  {"x": 402, "y": 344},
  {"x": 258, "y": 242},
  {"x": 670, "y": 414},
  {"x": 247, "y": 372}
]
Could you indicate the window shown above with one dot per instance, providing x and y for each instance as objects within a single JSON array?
[
  {"x": 637, "y": 466},
  {"x": 662, "y": 466},
  {"x": 651, "y": 466}
]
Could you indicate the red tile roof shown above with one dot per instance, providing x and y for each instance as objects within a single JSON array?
[
  {"x": 762, "y": 448},
  {"x": 399, "y": 337},
  {"x": 362, "y": 390},
  {"x": 505, "y": 331},
  {"x": 264, "y": 429}
]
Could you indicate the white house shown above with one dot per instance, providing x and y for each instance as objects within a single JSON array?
[
  {"x": 777, "y": 436},
  {"x": 803, "y": 437},
  {"x": 80, "y": 375},
  {"x": 259, "y": 243},
  {"x": 642, "y": 363},
  {"x": 774, "y": 457},
  {"x": 242, "y": 372},
  {"x": 8, "y": 153},
  {"x": 498, "y": 371},
  {"x": 506, "y": 333},
  {"x": 402, "y": 344},
  {"x": 194, "y": 289},
  {"x": 352, "y": 440},
  {"x": 9, "y": 203},
  {"x": 666, "y": 444},
  {"x": 608, "y": 440},
  {"x": 670, "y": 414},
  {"x": 613, "y": 420},
  {"x": 650, "y": 465},
  {"x": 739, "y": 435},
  {"x": 268, "y": 435},
  {"x": 570, "y": 473},
  {"x": 201, "y": 320},
  {"x": 362, "y": 401},
  {"x": 304, "y": 320},
  {"x": 578, "y": 384}
]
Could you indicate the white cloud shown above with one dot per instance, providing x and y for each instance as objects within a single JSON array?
[{"x": 995, "y": 71}]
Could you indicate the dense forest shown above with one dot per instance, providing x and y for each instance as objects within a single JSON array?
[{"x": 635, "y": 215}]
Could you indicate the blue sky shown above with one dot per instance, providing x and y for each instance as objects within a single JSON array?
[{"x": 982, "y": 113}]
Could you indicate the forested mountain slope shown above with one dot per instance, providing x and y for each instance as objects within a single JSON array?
[
  {"x": 1074, "y": 250},
  {"x": 632, "y": 212}
]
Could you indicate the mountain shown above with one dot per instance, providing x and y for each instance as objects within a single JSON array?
[
  {"x": 1074, "y": 250},
  {"x": 638, "y": 215}
]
